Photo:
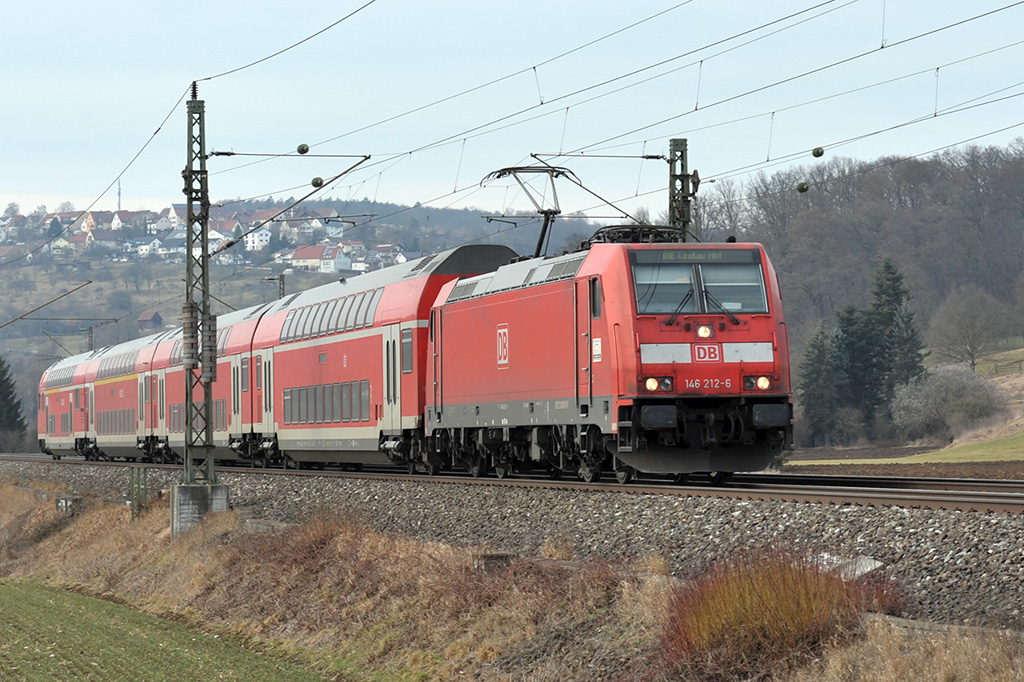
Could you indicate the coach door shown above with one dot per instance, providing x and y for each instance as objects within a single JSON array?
[
  {"x": 435, "y": 342},
  {"x": 392, "y": 418},
  {"x": 238, "y": 409},
  {"x": 256, "y": 389},
  {"x": 263, "y": 395}
]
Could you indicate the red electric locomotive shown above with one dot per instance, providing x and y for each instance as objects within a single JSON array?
[{"x": 664, "y": 358}]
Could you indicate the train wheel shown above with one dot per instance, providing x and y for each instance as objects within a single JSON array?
[
  {"x": 719, "y": 477},
  {"x": 590, "y": 474},
  {"x": 679, "y": 479},
  {"x": 554, "y": 473},
  {"x": 502, "y": 470},
  {"x": 625, "y": 474},
  {"x": 431, "y": 469},
  {"x": 477, "y": 466}
]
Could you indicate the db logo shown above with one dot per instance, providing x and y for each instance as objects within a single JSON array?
[
  {"x": 707, "y": 352},
  {"x": 502, "y": 346}
]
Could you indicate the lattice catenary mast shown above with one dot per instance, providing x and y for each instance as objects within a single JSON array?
[{"x": 199, "y": 359}]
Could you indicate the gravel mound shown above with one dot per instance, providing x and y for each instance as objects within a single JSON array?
[{"x": 956, "y": 567}]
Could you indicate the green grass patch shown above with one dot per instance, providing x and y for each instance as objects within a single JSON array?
[
  {"x": 48, "y": 634},
  {"x": 1014, "y": 353},
  {"x": 1006, "y": 449}
]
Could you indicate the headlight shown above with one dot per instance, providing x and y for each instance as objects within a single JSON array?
[
  {"x": 761, "y": 383},
  {"x": 653, "y": 384},
  {"x": 705, "y": 331}
]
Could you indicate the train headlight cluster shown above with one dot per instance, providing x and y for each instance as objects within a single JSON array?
[
  {"x": 654, "y": 384},
  {"x": 761, "y": 383},
  {"x": 705, "y": 331}
]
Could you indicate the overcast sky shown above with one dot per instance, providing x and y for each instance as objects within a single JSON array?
[{"x": 752, "y": 85}]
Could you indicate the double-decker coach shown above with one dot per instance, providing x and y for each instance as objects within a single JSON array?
[{"x": 333, "y": 374}]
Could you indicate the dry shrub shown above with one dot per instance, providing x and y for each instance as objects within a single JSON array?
[
  {"x": 763, "y": 612},
  {"x": 889, "y": 653}
]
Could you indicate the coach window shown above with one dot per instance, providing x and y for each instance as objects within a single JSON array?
[
  {"x": 328, "y": 403},
  {"x": 310, "y": 404},
  {"x": 302, "y": 405},
  {"x": 406, "y": 351},
  {"x": 365, "y": 402},
  {"x": 595, "y": 297},
  {"x": 259, "y": 375},
  {"x": 287, "y": 326},
  {"x": 318, "y": 317},
  {"x": 325, "y": 323},
  {"x": 296, "y": 331},
  {"x": 307, "y": 321},
  {"x": 343, "y": 314},
  {"x": 350, "y": 320},
  {"x": 300, "y": 320},
  {"x": 337, "y": 402},
  {"x": 318, "y": 404},
  {"x": 371, "y": 310},
  {"x": 287, "y": 405},
  {"x": 245, "y": 375},
  {"x": 346, "y": 403}
]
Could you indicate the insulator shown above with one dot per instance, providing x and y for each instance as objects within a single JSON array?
[
  {"x": 209, "y": 348},
  {"x": 190, "y": 335}
]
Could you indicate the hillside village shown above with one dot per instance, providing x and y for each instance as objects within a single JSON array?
[{"x": 311, "y": 240}]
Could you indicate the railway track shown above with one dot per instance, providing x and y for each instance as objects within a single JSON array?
[{"x": 980, "y": 495}]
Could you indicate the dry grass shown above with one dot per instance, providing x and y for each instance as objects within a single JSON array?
[{"x": 889, "y": 653}]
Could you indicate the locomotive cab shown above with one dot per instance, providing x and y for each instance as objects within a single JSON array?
[{"x": 707, "y": 387}]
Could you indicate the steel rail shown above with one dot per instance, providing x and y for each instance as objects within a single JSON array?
[{"x": 977, "y": 495}]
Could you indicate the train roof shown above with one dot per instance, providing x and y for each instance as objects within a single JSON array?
[
  {"x": 457, "y": 261},
  {"x": 522, "y": 273}
]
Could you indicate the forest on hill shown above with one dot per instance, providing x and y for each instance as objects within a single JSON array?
[{"x": 948, "y": 221}]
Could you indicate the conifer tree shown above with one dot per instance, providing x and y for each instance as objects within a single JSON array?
[
  {"x": 819, "y": 387},
  {"x": 856, "y": 343},
  {"x": 900, "y": 346},
  {"x": 12, "y": 419}
]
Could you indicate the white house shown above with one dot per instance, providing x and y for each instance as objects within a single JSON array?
[
  {"x": 255, "y": 241},
  {"x": 335, "y": 260}
]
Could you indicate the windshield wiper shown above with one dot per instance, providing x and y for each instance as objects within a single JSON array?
[
  {"x": 708, "y": 297},
  {"x": 679, "y": 308}
]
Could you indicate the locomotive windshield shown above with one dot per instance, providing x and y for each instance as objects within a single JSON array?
[{"x": 682, "y": 281}]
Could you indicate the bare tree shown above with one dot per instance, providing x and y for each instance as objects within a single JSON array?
[{"x": 969, "y": 326}]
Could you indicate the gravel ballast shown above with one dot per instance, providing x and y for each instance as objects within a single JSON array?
[{"x": 956, "y": 567}]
